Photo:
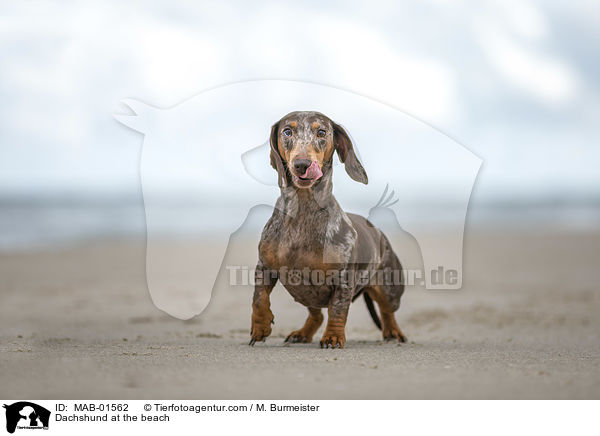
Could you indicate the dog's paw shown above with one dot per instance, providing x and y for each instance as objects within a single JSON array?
[
  {"x": 394, "y": 333},
  {"x": 333, "y": 340},
  {"x": 259, "y": 332},
  {"x": 298, "y": 336}
]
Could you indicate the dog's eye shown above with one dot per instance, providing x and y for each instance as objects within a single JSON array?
[
  {"x": 321, "y": 133},
  {"x": 287, "y": 132}
]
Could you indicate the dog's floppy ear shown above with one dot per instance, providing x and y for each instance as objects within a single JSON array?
[
  {"x": 276, "y": 161},
  {"x": 345, "y": 150}
]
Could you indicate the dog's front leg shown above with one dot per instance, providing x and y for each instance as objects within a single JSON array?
[
  {"x": 335, "y": 332},
  {"x": 262, "y": 317}
]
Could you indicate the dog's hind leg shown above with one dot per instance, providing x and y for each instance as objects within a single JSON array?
[
  {"x": 388, "y": 301},
  {"x": 312, "y": 324},
  {"x": 388, "y": 294}
]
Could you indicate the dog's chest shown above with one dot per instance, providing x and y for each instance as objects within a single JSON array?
[
  {"x": 294, "y": 249},
  {"x": 310, "y": 240}
]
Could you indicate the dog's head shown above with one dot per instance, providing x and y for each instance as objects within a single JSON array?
[{"x": 302, "y": 146}]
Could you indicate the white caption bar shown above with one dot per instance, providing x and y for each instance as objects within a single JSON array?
[{"x": 21, "y": 417}]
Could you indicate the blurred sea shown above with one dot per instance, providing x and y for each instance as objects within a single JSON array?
[{"x": 46, "y": 223}]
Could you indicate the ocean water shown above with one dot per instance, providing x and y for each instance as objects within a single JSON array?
[
  {"x": 30, "y": 225},
  {"x": 27, "y": 224}
]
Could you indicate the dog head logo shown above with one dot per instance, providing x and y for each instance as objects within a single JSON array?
[
  {"x": 214, "y": 149},
  {"x": 26, "y": 415}
]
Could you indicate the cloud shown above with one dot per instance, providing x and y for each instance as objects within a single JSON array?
[
  {"x": 462, "y": 68},
  {"x": 424, "y": 87},
  {"x": 547, "y": 79},
  {"x": 513, "y": 36}
]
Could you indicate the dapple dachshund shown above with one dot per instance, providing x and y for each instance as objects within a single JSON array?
[{"x": 309, "y": 233}]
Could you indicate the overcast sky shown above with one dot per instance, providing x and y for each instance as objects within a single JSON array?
[{"x": 515, "y": 82}]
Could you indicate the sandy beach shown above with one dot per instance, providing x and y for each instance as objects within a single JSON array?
[{"x": 78, "y": 323}]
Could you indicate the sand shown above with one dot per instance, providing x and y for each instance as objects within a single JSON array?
[{"x": 78, "y": 323}]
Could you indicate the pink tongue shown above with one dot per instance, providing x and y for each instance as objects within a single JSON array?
[{"x": 313, "y": 172}]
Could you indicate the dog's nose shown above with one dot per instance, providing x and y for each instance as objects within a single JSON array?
[{"x": 301, "y": 165}]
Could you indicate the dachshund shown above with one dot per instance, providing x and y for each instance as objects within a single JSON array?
[{"x": 324, "y": 257}]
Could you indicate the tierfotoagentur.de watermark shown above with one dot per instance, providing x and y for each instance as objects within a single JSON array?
[{"x": 243, "y": 276}]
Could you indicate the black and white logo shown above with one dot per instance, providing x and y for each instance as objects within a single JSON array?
[{"x": 26, "y": 415}]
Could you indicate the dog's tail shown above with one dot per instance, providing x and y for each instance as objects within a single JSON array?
[
  {"x": 372, "y": 311},
  {"x": 370, "y": 307}
]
